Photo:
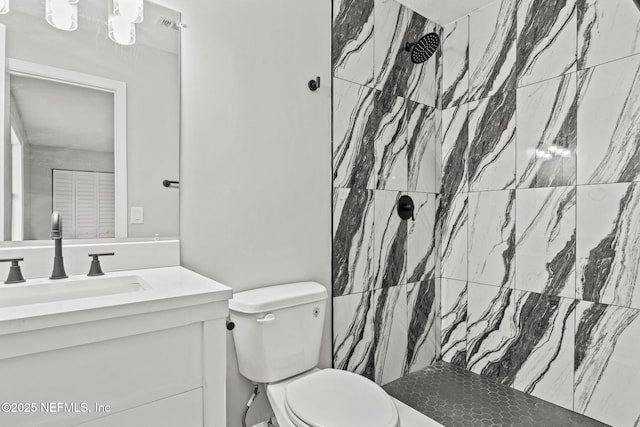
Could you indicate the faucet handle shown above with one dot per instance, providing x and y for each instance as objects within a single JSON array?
[
  {"x": 96, "y": 269},
  {"x": 15, "y": 274}
]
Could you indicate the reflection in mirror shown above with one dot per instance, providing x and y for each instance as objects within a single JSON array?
[
  {"x": 91, "y": 127},
  {"x": 62, "y": 146}
]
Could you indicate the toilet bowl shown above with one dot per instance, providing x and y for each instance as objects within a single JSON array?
[{"x": 330, "y": 397}]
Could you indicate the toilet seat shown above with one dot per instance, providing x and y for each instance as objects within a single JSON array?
[{"x": 336, "y": 398}]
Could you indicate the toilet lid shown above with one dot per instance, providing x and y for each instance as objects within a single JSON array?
[{"x": 334, "y": 398}]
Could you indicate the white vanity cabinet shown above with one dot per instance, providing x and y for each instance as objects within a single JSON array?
[{"x": 152, "y": 358}]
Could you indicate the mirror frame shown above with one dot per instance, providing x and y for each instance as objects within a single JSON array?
[{"x": 119, "y": 91}]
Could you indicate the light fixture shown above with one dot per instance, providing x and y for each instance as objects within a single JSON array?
[
  {"x": 4, "y": 7},
  {"x": 131, "y": 10},
  {"x": 121, "y": 30},
  {"x": 62, "y": 14}
]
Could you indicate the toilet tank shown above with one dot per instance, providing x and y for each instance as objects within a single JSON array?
[{"x": 278, "y": 330}]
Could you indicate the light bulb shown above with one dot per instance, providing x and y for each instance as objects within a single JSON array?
[
  {"x": 62, "y": 14},
  {"x": 131, "y": 10},
  {"x": 4, "y": 7},
  {"x": 122, "y": 31}
]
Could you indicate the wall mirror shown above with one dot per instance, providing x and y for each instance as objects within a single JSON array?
[{"x": 91, "y": 119}]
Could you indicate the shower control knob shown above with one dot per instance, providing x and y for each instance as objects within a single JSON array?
[{"x": 314, "y": 85}]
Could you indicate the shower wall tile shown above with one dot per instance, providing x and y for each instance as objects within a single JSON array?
[
  {"x": 608, "y": 244},
  {"x": 353, "y": 334},
  {"x": 453, "y": 327},
  {"x": 422, "y": 349},
  {"x": 492, "y": 233},
  {"x": 424, "y": 133},
  {"x": 453, "y": 228},
  {"x": 353, "y": 132},
  {"x": 540, "y": 356},
  {"x": 390, "y": 333},
  {"x": 546, "y": 241},
  {"x": 352, "y": 44},
  {"x": 353, "y": 214},
  {"x": 607, "y": 380},
  {"x": 608, "y": 116},
  {"x": 394, "y": 72},
  {"x": 455, "y": 63},
  {"x": 452, "y": 211},
  {"x": 391, "y": 162},
  {"x": 492, "y": 143},
  {"x": 390, "y": 241},
  {"x": 492, "y": 49},
  {"x": 491, "y": 327},
  {"x": 547, "y": 44},
  {"x": 547, "y": 140},
  {"x": 607, "y": 30},
  {"x": 421, "y": 243},
  {"x": 455, "y": 147}
]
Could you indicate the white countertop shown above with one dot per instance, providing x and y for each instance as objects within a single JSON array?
[{"x": 168, "y": 288}]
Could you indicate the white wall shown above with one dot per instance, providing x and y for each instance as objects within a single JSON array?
[{"x": 256, "y": 150}]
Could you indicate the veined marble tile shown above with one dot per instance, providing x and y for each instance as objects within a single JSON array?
[
  {"x": 608, "y": 244},
  {"x": 491, "y": 327},
  {"x": 492, "y": 142},
  {"x": 352, "y": 47},
  {"x": 546, "y": 141},
  {"x": 390, "y": 332},
  {"x": 422, "y": 349},
  {"x": 607, "y": 371},
  {"x": 608, "y": 117},
  {"x": 353, "y": 336},
  {"x": 453, "y": 227},
  {"x": 353, "y": 214},
  {"x": 492, "y": 49},
  {"x": 540, "y": 356},
  {"x": 492, "y": 242},
  {"x": 424, "y": 132},
  {"x": 546, "y": 241},
  {"x": 421, "y": 241},
  {"x": 394, "y": 72},
  {"x": 607, "y": 30},
  {"x": 547, "y": 44},
  {"x": 455, "y": 147},
  {"x": 453, "y": 329},
  {"x": 390, "y": 241},
  {"x": 391, "y": 165},
  {"x": 354, "y": 130},
  {"x": 455, "y": 63}
]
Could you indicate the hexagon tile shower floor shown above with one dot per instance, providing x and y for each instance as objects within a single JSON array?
[{"x": 455, "y": 397}]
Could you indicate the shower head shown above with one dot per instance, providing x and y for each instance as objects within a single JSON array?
[{"x": 424, "y": 48}]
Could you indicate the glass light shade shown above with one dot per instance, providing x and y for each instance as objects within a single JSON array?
[
  {"x": 131, "y": 10},
  {"x": 4, "y": 7},
  {"x": 122, "y": 31},
  {"x": 62, "y": 14}
]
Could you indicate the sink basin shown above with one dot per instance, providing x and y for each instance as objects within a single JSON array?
[{"x": 68, "y": 289}]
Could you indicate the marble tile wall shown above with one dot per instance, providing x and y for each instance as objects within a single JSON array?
[
  {"x": 539, "y": 201},
  {"x": 386, "y": 143}
]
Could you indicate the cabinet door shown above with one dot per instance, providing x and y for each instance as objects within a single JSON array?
[{"x": 184, "y": 410}]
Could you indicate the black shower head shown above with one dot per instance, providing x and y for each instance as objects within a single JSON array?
[{"x": 424, "y": 48}]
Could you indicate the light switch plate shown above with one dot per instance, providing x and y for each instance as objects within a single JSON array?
[{"x": 137, "y": 215}]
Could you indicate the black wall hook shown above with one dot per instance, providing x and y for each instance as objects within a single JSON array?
[{"x": 314, "y": 85}]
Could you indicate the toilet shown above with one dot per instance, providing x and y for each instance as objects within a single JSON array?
[{"x": 277, "y": 335}]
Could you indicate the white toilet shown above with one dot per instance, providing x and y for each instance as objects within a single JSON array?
[{"x": 277, "y": 337}]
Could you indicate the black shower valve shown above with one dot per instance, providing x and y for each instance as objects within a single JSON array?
[{"x": 406, "y": 208}]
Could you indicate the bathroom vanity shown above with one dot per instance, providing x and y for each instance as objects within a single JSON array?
[{"x": 131, "y": 348}]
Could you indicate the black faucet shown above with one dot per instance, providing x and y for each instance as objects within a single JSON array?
[{"x": 56, "y": 236}]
